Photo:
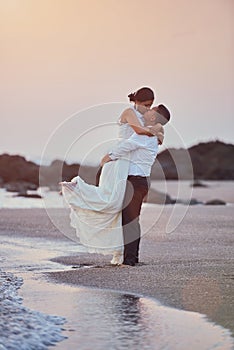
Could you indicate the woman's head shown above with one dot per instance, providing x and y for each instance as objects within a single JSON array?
[{"x": 143, "y": 99}]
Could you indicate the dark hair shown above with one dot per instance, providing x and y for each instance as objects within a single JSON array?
[
  {"x": 141, "y": 95},
  {"x": 164, "y": 112}
]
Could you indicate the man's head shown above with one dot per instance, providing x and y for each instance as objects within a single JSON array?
[
  {"x": 150, "y": 117},
  {"x": 163, "y": 114}
]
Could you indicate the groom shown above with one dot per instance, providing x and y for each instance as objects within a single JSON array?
[{"x": 143, "y": 151}]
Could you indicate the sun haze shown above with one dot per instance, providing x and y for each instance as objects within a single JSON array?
[{"x": 60, "y": 57}]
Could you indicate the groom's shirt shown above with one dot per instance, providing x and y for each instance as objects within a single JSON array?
[{"x": 141, "y": 150}]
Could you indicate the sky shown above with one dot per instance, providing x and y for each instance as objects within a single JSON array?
[{"x": 67, "y": 66}]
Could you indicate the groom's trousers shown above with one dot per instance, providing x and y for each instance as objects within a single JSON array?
[{"x": 136, "y": 189}]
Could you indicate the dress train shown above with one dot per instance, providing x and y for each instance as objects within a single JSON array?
[{"x": 96, "y": 212}]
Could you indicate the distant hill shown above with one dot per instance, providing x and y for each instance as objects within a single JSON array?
[{"x": 205, "y": 161}]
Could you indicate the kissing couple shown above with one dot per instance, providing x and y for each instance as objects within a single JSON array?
[{"x": 106, "y": 216}]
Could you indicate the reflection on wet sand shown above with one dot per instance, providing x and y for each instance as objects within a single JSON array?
[
  {"x": 113, "y": 320},
  {"x": 104, "y": 319}
]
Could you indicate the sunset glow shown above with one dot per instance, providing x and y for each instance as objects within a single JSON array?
[{"x": 59, "y": 57}]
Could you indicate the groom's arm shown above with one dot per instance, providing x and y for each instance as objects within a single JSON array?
[{"x": 125, "y": 146}]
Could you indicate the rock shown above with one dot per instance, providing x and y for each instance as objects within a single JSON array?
[
  {"x": 20, "y": 187},
  {"x": 51, "y": 175},
  {"x": 215, "y": 202},
  {"x": 198, "y": 183},
  {"x": 56, "y": 172},
  {"x": 54, "y": 187},
  {"x": 173, "y": 164},
  {"x": 192, "y": 201},
  {"x": 212, "y": 161},
  {"x": 28, "y": 195},
  {"x": 158, "y": 198},
  {"x": 205, "y": 161},
  {"x": 14, "y": 168}
]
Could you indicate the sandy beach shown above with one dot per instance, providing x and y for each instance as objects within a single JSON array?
[
  {"x": 190, "y": 269},
  {"x": 186, "y": 257}
]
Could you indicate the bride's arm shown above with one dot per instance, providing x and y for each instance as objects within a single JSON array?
[{"x": 129, "y": 117}]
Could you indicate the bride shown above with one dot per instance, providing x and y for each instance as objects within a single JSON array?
[{"x": 96, "y": 211}]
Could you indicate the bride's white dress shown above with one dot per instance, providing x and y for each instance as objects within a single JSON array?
[{"x": 96, "y": 211}]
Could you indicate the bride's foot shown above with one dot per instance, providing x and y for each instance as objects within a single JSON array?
[{"x": 117, "y": 259}]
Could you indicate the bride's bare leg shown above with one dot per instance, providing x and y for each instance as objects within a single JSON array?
[{"x": 117, "y": 258}]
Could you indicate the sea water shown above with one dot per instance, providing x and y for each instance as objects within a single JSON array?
[
  {"x": 72, "y": 317},
  {"x": 36, "y": 314},
  {"x": 51, "y": 199},
  {"x": 23, "y": 328}
]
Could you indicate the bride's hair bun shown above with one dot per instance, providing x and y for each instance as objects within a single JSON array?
[
  {"x": 141, "y": 95},
  {"x": 131, "y": 97}
]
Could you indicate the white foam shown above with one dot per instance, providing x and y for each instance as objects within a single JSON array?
[{"x": 20, "y": 327}]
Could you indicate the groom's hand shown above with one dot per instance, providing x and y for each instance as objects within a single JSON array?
[{"x": 105, "y": 159}]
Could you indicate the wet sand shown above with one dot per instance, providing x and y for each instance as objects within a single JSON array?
[{"x": 186, "y": 257}]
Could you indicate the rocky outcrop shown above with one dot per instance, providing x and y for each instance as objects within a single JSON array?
[
  {"x": 215, "y": 202},
  {"x": 213, "y": 161},
  {"x": 29, "y": 195},
  {"x": 61, "y": 171},
  {"x": 20, "y": 186},
  {"x": 157, "y": 197},
  {"x": 173, "y": 164},
  {"x": 198, "y": 183},
  {"x": 14, "y": 168},
  {"x": 56, "y": 172},
  {"x": 205, "y": 161}
]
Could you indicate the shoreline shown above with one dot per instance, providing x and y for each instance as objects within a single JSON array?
[{"x": 190, "y": 269}]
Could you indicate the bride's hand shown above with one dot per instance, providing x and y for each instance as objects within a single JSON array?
[
  {"x": 158, "y": 131},
  {"x": 105, "y": 159}
]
